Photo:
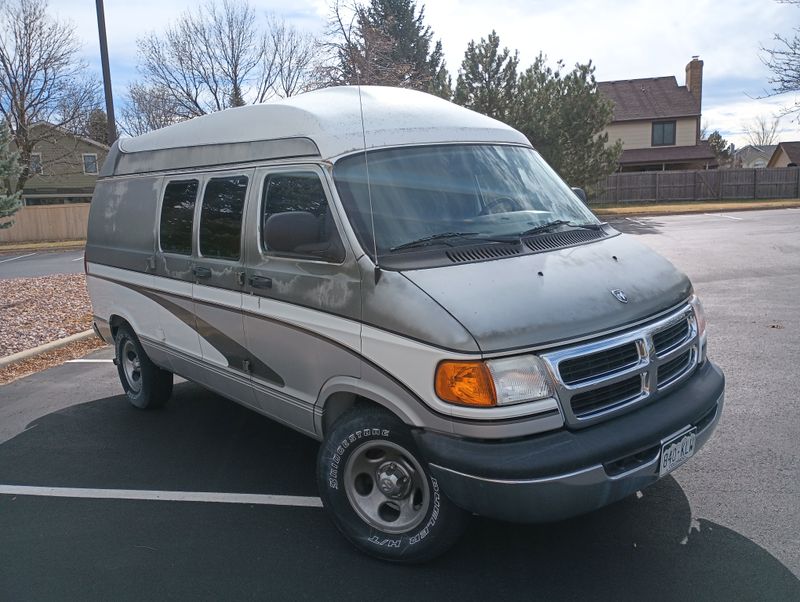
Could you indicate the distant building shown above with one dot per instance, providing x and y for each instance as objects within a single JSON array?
[
  {"x": 658, "y": 121},
  {"x": 787, "y": 154},
  {"x": 753, "y": 156},
  {"x": 63, "y": 167}
]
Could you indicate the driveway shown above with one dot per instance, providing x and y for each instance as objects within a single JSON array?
[{"x": 31, "y": 264}]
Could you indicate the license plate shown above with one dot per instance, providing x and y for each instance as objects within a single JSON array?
[{"x": 676, "y": 451}]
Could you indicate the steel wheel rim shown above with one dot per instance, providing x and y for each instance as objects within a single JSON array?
[
  {"x": 374, "y": 484},
  {"x": 131, "y": 366}
]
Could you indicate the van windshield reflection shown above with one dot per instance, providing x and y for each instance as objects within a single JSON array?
[{"x": 454, "y": 194}]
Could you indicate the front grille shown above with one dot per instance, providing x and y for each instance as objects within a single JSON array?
[
  {"x": 671, "y": 337},
  {"x": 604, "y": 397},
  {"x": 596, "y": 365},
  {"x": 597, "y": 379},
  {"x": 670, "y": 370}
]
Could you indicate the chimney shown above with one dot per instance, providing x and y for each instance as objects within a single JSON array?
[{"x": 694, "y": 78}]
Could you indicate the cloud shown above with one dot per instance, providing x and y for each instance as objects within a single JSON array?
[{"x": 625, "y": 40}]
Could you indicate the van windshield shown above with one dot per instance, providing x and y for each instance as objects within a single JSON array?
[{"x": 453, "y": 194}]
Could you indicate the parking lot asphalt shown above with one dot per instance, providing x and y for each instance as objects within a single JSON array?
[
  {"x": 31, "y": 264},
  {"x": 724, "y": 526}
]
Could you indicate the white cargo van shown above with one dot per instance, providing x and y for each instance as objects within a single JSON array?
[{"x": 418, "y": 291}]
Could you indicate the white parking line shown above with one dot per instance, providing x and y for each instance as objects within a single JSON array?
[
  {"x": 635, "y": 221},
  {"x": 15, "y": 258},
  {"x": 78, "y": 258},
  {"x": 88, "y": 361},
  {"x": 725, "y": 216},
  {"x": 164, "y": 496}
]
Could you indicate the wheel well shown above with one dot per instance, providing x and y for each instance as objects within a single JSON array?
[
  {"x": 115, "y": 322},
  {"x": 339, "y": 403}
]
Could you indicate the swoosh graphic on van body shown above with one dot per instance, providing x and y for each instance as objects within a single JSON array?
[{"x": 235, "y": 354}]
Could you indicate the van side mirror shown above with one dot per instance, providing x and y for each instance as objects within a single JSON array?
[
  {"x": 301, "y": 234},
  {"x": 580, "y": 193}
]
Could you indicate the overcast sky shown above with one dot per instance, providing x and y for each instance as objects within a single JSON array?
[{"x": 625, "y": 40}]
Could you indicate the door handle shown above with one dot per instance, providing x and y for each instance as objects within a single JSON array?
[
  {"x": 201, "y": 272},
  {"x": 260, "y": 282}
]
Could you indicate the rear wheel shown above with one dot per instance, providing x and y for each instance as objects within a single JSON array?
[
  {"x": 146, "y": 385},
  {"x": 379, "y": 491}
]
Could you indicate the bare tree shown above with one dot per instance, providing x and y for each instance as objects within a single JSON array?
[
  {"x": 382, "y": 42},
  {"x": 761, "y": 131},
  {"x": 148, "y": 108},
  {"x": 42, "y": 80},
  {"x": 216, "y": 56},
  {"x": 784, "y": 62},
  {"x": 294, "y": 55}
]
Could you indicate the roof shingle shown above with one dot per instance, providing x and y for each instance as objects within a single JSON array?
[
  {"x": 649, "y": 98},
  {"x": 792, "y": 150},
  {"x": 668, "y": 154}
]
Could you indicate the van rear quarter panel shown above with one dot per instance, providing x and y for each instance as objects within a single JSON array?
[
  {"x": 121, "y": 234},
  {"x": 122, "y": 222}
]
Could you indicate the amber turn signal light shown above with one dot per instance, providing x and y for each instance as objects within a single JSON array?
[{"x": 465, "y": 383}]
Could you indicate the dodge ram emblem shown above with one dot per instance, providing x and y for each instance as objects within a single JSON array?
[{"x": 620, "y": 295}]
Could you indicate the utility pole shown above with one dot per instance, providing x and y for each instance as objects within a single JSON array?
[{"x": 101, "y": 27}]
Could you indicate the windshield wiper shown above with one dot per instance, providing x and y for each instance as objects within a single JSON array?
[
  {"x": 432, "y": 239},
  {"x": 555, "y": 224}
]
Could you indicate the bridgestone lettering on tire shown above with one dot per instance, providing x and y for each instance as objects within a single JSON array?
[{"x": 379, "y": 492}]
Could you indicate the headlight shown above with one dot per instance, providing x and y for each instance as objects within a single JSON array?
[
  {"x": 497, "y": 382},
  {"x": 700, "y": 318},
  {"x": 699, "y": 314}
]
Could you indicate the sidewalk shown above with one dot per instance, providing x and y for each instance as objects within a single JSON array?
[
  {"x": 12, "y": 247},
  {"x": 652, "y": 208}
]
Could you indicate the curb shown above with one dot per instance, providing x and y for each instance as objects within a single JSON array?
[
  {"x": 42, "y": 247},
  {"x": 51, "y": 346}
]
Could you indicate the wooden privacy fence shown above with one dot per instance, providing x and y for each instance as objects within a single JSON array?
[
  {"x": 39, "y": 223},
  {"x": 699, "y": 185}
]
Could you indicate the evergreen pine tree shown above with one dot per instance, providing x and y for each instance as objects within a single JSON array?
[
  {"x": 564, "y": 117},
  {"x": 392, "y": 46},
  {"x": 9, "y": 170},
  {"x": 487, "y": 80}
]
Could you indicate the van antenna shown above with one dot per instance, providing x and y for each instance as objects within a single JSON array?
[{"x": 369, "y": 187}]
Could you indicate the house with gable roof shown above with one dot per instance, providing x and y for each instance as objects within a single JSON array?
[{"x": 658, "y": 121}]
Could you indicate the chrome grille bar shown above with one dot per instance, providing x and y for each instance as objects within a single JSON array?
[{"x": 594, "y": 394}]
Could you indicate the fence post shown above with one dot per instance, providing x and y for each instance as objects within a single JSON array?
[
  {"x": 694, "y": 187},
  {"x": 755, "y": 183},
  {"x": 798, "y": 182}
]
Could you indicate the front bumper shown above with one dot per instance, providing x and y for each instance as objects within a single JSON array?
[{"x": 556, "y": 475}]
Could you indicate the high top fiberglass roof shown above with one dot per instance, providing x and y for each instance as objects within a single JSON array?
[{"x": 331, "y": 118}]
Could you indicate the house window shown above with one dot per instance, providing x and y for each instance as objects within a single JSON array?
[
  {"x": 663, "y": 133},
  {"x": 36, "y": 163},
  {"x": 89, "y": 163}
]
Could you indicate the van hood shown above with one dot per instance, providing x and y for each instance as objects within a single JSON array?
[{"x": 544, "y": 298}]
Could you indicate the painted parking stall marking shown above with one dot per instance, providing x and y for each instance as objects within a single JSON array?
[
  {"x": 17, "y": 257},
  {"x": 725, "y": 216},
  {"x": 89, "y": 361},
  {"x": 164, "y": 496}
]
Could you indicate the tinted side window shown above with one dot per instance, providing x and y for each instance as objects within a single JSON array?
[
  {"x": 221, "y": 217},
  {"x": 311, "y": 231},
  {"x": 177, "y": 215}
]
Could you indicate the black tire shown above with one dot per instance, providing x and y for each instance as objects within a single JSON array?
[
  {"x": 147, "y": 386},
  {"x": 344, "y": 470}
]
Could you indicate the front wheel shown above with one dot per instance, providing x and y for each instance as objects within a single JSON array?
[
  {"x": 146, "y": 385},
  {"x": 379, "y": 491}
]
